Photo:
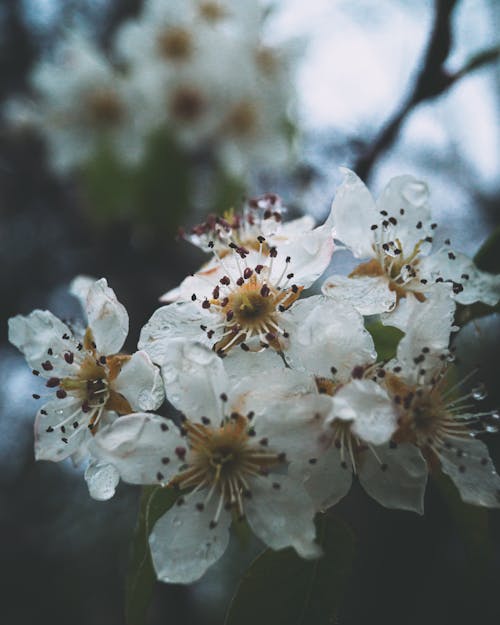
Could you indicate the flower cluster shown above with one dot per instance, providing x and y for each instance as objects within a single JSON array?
[
  {"x": 198, "y": 71},
  {"x": 282, "y": 397}
]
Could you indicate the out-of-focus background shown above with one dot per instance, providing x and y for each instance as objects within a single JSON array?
[{"x": 385, "y": 87}]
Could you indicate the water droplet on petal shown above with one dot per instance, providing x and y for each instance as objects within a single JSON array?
[{"x": 479, "y": 392}]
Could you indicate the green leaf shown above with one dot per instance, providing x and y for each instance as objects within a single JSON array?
[
  {"x": 155, "y": 501},
  {"x": 472, "y": 523},
  {"x": 488, "y": 256},
  {"x": 282, "y": 589},
  {"x": 386, "y": 339}
]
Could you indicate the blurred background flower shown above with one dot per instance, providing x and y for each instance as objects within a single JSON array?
[{"x": 121, "y": 121}]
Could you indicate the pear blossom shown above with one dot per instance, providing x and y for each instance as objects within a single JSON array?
[
  {"x": 228, "y": 460},
  {"x": 249, "y": 299},
  {"x": 356, "y": 436},
  {"x": 89, "y": 383},
  {"x": 261, "y": 216},
  {"x": 395, "y": 235},
  {"x": 83, "y": 103},
  {"x": 430, "y": 415}
]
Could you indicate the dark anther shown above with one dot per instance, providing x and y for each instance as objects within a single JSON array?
[
  {"x": 206, "y": 304},
  {"x": 193, "y": 297},
  {"x": 61, "y": 393},
  {"x": 247, "y": 273},
  {"x": 47, "y": 365},
  {"x": 159, "y": 476},
  {"x": 205, "y": 420},
  {"x": 164, "y": 427}
]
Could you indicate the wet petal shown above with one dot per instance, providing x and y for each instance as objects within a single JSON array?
[
  {"x": 102, "y": 480},
  {"x": 354, "y": 212},
  {"x": 369, "y": 408},
  {"x": 176, "y": 321},
  {"x": 144, "y": 448},
  {"x": 107, "y": 318},
  {"x": 326, "y": 334},
  {"x": 184, "y": 543},
  {"x": 328, "y": 480},
  {"x": 37, "y": 333},
  {"x": 281, "y": 514},
  {"x": 396, "y": 476},
  {"x": 469, "y": 465},
  {"x": 428, "y": 331},
  {"x": 478, "y": 286},
  {"x": 56, "y": 435},
  {"x": 405, "y": 199},
  {"x": 368, "y": 295},
  {"x": 195, "y": 379},
  {"x": 139, "y": 381}
]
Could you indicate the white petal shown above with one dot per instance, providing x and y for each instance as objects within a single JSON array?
[
  {"x": 478, "y": 286},
  {"x": 52, "y": 443},
  {"x": 260, "y": 366},
  {"x": 293, "y": 426},
  {"x": 37, "y": 332},
  {"x": 177, "y": 320},
  {"x": 107, "y": 318},
  {"x": 354, "y": 212},
  {"x": 397, "y": 479},
  {"x": 326, "y": 334},
  {"x": 410, "y": 195},
  {"x": 139, "y": 381},
  {"x": 469, "y": 465},
  {"x": 80, "y": 287},
  {"x": 203, "y": 282},
  {"x": 194, "y": 379},
  {"x": 369, "y": 296},
  {"x": 183, "y": 545},
  {"x": 102, "y": 480},
  {"x": 430, "y": 324},
  {"x": 309, "y": 255},
  {"x": 258, "y": 389},
  {"x": 327, "y": 481},
  {"x": 142, "y": 447},
  {"x": 281, "y": 514},
  {"x": 369, "y": 408}
]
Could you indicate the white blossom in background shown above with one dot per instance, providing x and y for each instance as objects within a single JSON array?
[
  {"x": 229, "y": 458},
  {"x": 436, "y": 415},
  {"x": 81, "y": 103},
  {"x": 212, "y": 81},
  {"x": 89, "y": 383},
  {"x": 395, "y": 234}
]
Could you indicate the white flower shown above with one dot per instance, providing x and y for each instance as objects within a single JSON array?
[
  {"x": 355, "y": 438},
  {"x": 84, "y": 104},
  {"x": 229, "y": 458},
  {"x": 261, "y": 217},
  {"x": 395, "y": 234},
  {"x": 248, "y": 298},
  {"x": 90, "y": 382},
  {"x": 431, "y": 416}
]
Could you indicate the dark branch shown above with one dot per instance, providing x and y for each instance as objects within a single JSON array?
[{"x": 432, "y": 80}]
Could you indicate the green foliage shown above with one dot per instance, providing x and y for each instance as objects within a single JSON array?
[
  {"x": 282, "y": 589},
  {"x": 386, "y": 339},
  {"x": 155, "y": 501}
]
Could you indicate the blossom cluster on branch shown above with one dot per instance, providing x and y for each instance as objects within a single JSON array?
[{"x": 282, "y": 396}]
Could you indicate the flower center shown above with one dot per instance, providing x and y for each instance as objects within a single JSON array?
[
  {"x": 174, "y": 44},
  {"x": 212, "y": 11},
  {"x": 251, "y": 306},
  {"x": 222, "y": 459},
  {"x": 105, "y": 108},
  {"x": 187, "y": 104},
  {"x": 242, "y": 119},
  {"x": 91, "y": 381}
]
